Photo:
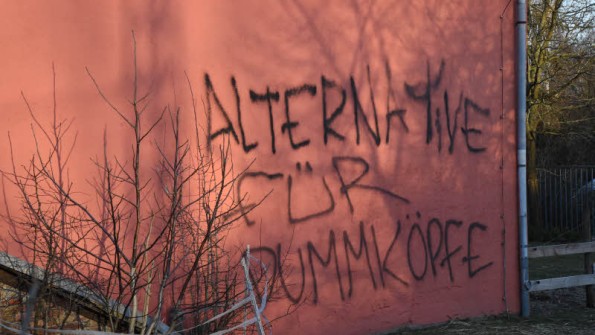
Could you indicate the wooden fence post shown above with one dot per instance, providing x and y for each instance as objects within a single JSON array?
[{"x": 587, "y": 236}]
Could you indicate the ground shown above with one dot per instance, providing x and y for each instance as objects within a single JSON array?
[{"x": 552, "y": 312}]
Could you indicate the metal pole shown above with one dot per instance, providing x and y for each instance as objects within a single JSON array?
[
  {"x": 250, "y": 289},
  {"x": 521, "y": 69}
]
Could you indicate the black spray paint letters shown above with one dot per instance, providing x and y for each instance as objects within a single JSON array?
[
  {"x": 417, "y": 251},
  {"x": 289, "y": 124},
  {"x": 334, "y": 97},
  {"x": 341, "y": 164},
  {"x": 269, "y": 97},
  {"x": 423, "y": 92}
]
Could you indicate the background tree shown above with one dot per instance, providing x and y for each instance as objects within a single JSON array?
[{"x": 560, "y": 114}]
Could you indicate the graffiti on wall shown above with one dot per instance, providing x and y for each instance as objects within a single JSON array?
[
  {"x": 418, "y": 247},
  {"x": 430, "y": 240},
  {"x": 446, "y": 113}
]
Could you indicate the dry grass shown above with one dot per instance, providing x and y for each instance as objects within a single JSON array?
[{"x": 579, "y": 321}]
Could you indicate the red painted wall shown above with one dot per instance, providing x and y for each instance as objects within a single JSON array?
[{"x": 415, "y": 164}]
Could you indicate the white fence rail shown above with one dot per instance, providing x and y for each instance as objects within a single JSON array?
[{"x": 587, "y": 279}]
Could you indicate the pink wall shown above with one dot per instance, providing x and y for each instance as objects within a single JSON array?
[{"x": 434, "y": 204}]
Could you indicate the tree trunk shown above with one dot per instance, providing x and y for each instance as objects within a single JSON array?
[{"x": 536, "y": 225}]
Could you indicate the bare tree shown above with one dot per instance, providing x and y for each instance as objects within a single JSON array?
[
  {"x": 560, "y": 80},
  {"x": 153, "y": 245}
]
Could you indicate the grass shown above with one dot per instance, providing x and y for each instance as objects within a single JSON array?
[
  {"x": 559, "y": 266},
  {"x": 569, "y": 322}
]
